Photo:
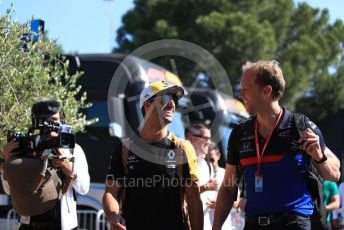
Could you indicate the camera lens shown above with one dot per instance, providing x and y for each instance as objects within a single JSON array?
[{"x": 64, "y": 141}]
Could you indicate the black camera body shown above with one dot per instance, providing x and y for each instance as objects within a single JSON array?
[{"x": 37, "y": 139}]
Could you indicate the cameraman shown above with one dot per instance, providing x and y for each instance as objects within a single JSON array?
[{"x": 63, "y": 214}]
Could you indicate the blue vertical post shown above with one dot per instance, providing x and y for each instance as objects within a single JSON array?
[
  {"x": 36, "y": 33},
  {"x": 37, "y": 29}
]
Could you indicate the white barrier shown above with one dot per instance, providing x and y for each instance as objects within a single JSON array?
[
  {"x": 12, "y": 220},
  {"x": 92, "y": 220}
]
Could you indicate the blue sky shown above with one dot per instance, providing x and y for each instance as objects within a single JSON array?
[
  {"x": 83, "y": 26},
  {"x": 89, "y": 26}
]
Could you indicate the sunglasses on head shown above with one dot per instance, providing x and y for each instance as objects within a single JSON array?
[{"x": 166, "y": 98}]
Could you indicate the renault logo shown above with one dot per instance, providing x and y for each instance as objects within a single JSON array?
[{"x": 171, "y": 154}]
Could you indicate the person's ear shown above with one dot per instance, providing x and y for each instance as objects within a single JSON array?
[
  {"x": 146, "y": 106},
  {"x": 189, "y": 137},
  {"x": 218, "y": 155},
  {"x": 267, "y": 90}
]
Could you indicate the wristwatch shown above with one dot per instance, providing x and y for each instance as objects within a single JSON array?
[{"x": 322, "y": 160}]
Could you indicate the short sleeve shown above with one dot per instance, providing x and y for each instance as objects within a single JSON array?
[
  {"x": 232, "y": 149},
  {"x": 82, "y": 181},
  {"x": 191, "y": 159},
  {"x": 334, "y": 189},
  {"x": 317, "y": 131},
  {"x": 116, "y": 170}
]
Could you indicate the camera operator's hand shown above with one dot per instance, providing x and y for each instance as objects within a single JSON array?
[
  {"x": 64, "y": 164},
  {"x": 8, "y": 148}
]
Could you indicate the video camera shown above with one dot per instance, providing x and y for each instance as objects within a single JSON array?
[{"x": 37, "y": 139}]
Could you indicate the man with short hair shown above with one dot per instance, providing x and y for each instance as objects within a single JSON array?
[
  {"x": 147, "y": 171},
  {"x": 273, "y": 155},
  {"x": 200, "y": 137},
  {"x": 63, "y": 214}
]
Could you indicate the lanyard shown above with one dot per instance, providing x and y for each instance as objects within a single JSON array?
[{"x": 267, "y": 140}]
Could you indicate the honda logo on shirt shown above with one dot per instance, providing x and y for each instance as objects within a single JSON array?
[{"x": 246, "y": 145}]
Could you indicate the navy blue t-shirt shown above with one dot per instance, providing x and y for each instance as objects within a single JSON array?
[{"x": 283, "y": 166}]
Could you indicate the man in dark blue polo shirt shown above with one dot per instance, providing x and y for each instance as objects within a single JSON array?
[{"x": 270, "y": 150}]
